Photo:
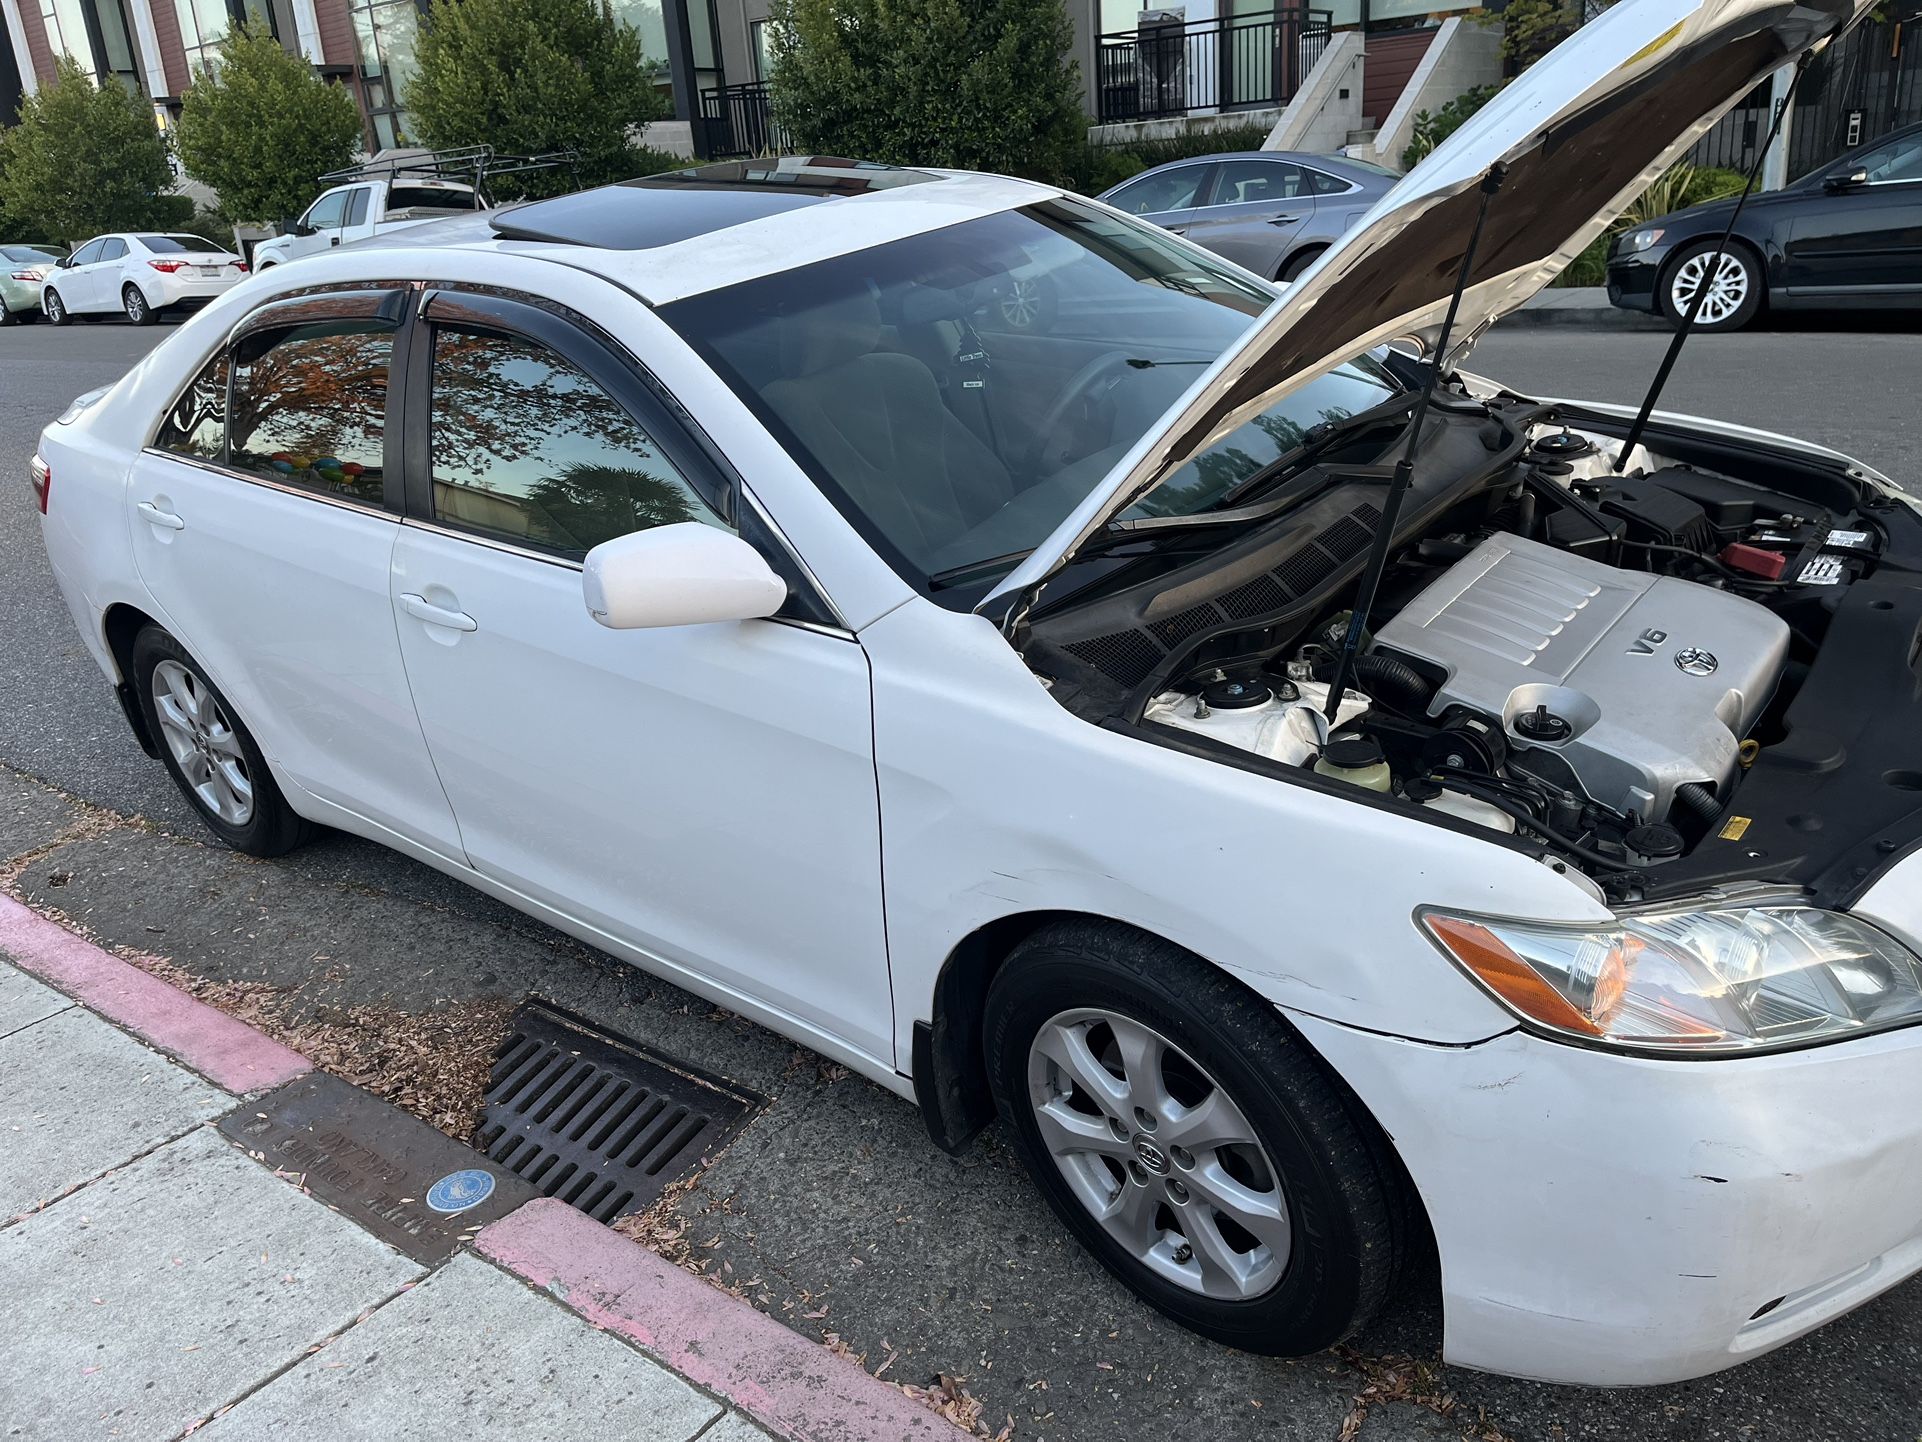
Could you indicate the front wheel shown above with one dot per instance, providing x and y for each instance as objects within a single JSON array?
[
  {"x": 134, "y": 302},
  {"x": 1734, "y": 288},
  {"x": 1191, "y": 1141},
  {"x": 210, "y": 754},
  {"x": 54, "y": 307}
]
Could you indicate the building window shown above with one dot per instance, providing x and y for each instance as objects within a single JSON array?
[
  {"x": 205, "y": 23},
  {"x": 94, "y": 35},
  {"x": 386, "y": 32}
]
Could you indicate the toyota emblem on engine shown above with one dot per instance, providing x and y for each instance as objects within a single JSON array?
[{"x": 1695, "y": 661}]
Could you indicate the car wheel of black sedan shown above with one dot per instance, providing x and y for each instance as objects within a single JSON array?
[
  {"x": 1734, "y": 287},
  {"x": 1191, "y": 1141}
]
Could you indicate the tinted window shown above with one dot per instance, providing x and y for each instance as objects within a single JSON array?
[
  {"x": 1324, "y": 184},
  {"x": 357, "y": 206},
  {"x": 181, "y": 245},
  {"x": 529, "y": 448},
  {"x": 88, "y": 253},
  {"x": 1899, "y": 160},
  {"x": 1167, "y": 190},
  {"x": 328, "y": 210},
  {"x": 114, "y": 249},
  {"x": 29, "y": 254},
  {"x": 310, "y": 406},
  {"x": 1265, "y": 182},
  {"x": 197, "y": 425},
  {"x": 432, "y": 197}
]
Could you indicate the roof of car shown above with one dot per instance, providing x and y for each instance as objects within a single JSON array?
[
  {"x": 1342, "y": 165},
  {"x": 668, "y": 236}
]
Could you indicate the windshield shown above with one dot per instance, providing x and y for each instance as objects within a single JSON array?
[
  {"x": 958, "y": 393},
  {"x": 179, "y": 244}
]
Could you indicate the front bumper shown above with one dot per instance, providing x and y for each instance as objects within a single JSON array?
[
  {"x": 1610, "y": 1220},
  {"x": 1632, "y": 279}
]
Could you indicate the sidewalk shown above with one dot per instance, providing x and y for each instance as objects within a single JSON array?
[{"x": 163, "y": 1280}]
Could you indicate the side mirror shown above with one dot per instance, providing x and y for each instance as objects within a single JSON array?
[
  {"x": 1847, "y": 179},
  {"x": 687, "y": 574},
  {"x": 64, "y": 263},
  {"x": 300, "y": 227}
]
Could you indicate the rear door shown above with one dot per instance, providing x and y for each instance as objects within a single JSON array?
[
  {"x": 1166, "y": 197},
  {"x": 106, "y": 274},
  {"x": 1254, "y": 212},
  {"x": 359, "y": 221},
  {"x": 703, "y": 795},
  {"x": 264, "y": 524}
]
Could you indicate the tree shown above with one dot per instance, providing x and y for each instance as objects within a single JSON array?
[
  {"x": 262, "y": 125},
  {"x": 976, "y": 84},
  {"x": 532, "y": 76},
  {"x": 85, "y": 158},
  {"x": 1532, "y": 28}
]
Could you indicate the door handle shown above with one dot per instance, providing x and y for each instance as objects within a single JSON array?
[
  {"x": 152, "y": 513},
  {"x": 422, "y": 609},
  {"x": 1176, "y": 229},
  {"x": 1283, "y": 219},
  {"x": 334, "y": 241}
]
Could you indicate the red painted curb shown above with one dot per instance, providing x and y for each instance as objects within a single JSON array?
[
  {"x": 782, "y": 1380},
  {"x": 228, "y": 1053}
]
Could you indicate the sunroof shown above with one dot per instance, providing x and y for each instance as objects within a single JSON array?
[{"x": 659, "y": 210}]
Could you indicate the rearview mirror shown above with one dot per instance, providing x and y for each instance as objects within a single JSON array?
[
  {"x": 1847, "y": 179},
  {"x": 687, "y": 574}
]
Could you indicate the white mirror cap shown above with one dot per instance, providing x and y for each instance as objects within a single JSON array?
[{"x": 687, "y": 574}]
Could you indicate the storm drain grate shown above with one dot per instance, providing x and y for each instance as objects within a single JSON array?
[{"x": 601, "y": 1122}]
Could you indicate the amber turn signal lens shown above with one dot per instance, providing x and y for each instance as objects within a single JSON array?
[{"x": 1511, "y": 978}]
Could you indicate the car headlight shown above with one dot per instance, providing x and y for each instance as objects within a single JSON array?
[
  {"x": 1720, "y": 980},
  {"x": 1639, "y": 240}
]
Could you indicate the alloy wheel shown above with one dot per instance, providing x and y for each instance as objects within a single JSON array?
[
  {"x": 203, "y": 743},
  {"x": 1159, "y": 1154},
  {"x": 136, "y": 304},
  {"x": 1021, "y": 306},
  {"x": 1727, "y": 290},
  {"x": 54, "y": 307}
]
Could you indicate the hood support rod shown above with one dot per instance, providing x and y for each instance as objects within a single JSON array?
[
  {"x": 1404, "y": 475},
  {"x": 1708, "y": 277}
]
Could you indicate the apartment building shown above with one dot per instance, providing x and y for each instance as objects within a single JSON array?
[{"x": 705, "y": 51}]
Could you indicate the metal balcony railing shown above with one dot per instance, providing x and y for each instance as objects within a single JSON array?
[
  {"x": 739, "y": 121},
  {"x": 1174, "y": 67}
]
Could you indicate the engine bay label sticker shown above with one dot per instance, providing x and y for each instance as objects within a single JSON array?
[{"x": 1734, "y": 828}]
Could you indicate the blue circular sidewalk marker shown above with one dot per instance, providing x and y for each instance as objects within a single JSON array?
[{"x": 457, "y": 1191}]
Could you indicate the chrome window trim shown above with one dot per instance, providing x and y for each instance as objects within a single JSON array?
[{"x": 325, "y": 498}]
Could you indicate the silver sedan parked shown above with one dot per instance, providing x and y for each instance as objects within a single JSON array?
[{"x": 1270, "y": 211}]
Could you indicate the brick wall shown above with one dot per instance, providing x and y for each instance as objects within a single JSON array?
[
  {"x": 173, "y": 53},
  {"x": 39, "y": 52},
  {"x": 337, "y": 44}
]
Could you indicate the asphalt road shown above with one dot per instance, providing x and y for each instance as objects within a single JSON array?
[{"x": 831, "y": 1210}]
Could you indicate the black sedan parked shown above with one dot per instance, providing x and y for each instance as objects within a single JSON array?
[{"x": 1847, "y": 234}]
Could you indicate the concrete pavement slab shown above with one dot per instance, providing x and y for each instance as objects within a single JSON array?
[
  {"x": 31, "y": 815},
  {"x": 471, "y": 1353},
  {"x": 78, "y": 1098},
  {"x": 24, "y": 1001},
  {"x": 171, "y": 1288}
]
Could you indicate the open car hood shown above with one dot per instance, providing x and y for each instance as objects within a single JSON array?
[{"x": 1580, "y": 136}]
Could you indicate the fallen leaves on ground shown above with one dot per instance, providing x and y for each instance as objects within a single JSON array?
[{"x": 1414, "y": 1382}]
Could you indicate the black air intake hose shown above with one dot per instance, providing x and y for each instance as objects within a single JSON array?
[
  {"x": 1393, "y": 682},
  {"x": 1698, "y": 803}
]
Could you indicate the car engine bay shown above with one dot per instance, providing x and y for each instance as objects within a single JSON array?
[{"x": 1697, "y": 670}]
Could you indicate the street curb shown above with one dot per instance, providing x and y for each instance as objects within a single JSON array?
[
  {"x": 229, "y": 1053},
  {"x": 1583, "y": 307},
  {"x": 781, "y": 1379}
]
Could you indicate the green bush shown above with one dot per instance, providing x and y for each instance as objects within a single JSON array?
[
  {"x": 975, "y": 84},
  {"x": 1431, "y": 129},
  {"x": 1095, "y": 168},
  {"x": 84, "y": 159},
  {"x": 532, "y": 76},
  {"x": 1676, "y": 188},
  {"x": 262, "y": 126}
]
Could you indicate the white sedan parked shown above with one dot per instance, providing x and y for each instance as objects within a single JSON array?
[
  {"x": 713, "y": 568},
  {"x": 140, "y": 275}
]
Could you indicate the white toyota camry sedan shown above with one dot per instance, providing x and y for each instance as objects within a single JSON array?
[{"x": 712, "y": 568}]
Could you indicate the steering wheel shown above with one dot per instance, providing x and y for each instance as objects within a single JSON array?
[{"x": 1051, "y": 449}]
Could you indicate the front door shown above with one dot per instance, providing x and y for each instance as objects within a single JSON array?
[
  {"x": 702, "y": 795},
  {"x": 264, "y": 529},
  {"x": 1865, "y": 240}
]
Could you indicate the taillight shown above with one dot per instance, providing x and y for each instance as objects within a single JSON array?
[
  {"x": 40, "y": 477},
  {"x": 26, "y": 275},
  {"x": 170, "y": 266},
  {"x": 240, "y": 265}
]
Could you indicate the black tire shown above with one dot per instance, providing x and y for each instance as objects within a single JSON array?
[
  {"x": 134, "y": 302},
  {"x": 1348, "y": 1204},
  {"x": 1751, "y": 280},
  {"x": 273, "y": 828},
  {"x": 54, "y": 308},
  {"x": 1298, "y": 263}
]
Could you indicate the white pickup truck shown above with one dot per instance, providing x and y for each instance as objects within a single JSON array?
[{"x": 361, "y": 209}]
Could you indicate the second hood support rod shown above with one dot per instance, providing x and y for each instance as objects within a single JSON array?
[{"x": 1405, "y": 467}]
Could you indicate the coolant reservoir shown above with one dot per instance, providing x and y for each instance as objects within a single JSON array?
[
  {"x": 1358, "y": 760},
  {"x": 1288, "y": 729},
  {"x": 1469, "y": 808}
]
